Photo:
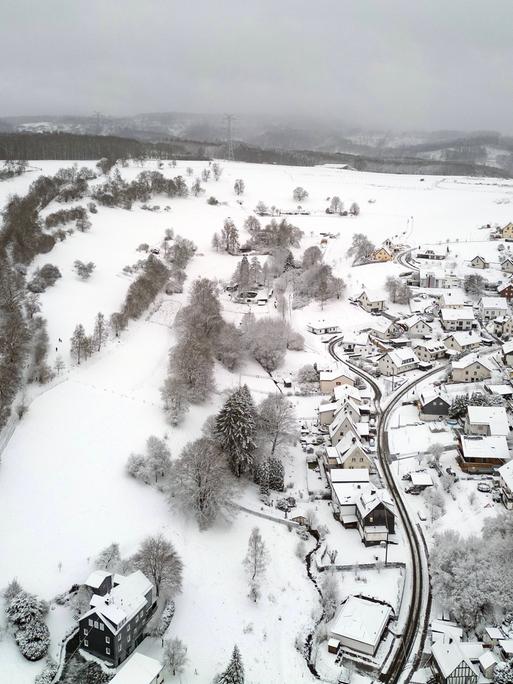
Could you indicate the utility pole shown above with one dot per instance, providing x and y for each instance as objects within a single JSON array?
[{"x": 229, "y": 118}]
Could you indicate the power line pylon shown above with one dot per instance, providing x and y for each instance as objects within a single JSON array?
[{"x": 229, "y": 118}]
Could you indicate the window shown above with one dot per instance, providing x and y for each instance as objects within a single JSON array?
[
  {"x": 86, "y": 643},
  {"x": 102, "y": 626},
  {"x": 119, "y": 637},
  {"x": 96, "y": 624},
  {"x": 129, "y": 638},
  {"x": 85, "y": 631},
  {"x": 107, "y": 651},
  {"x": 107, "y": 640},
  {"x": 90, "y": 623}
]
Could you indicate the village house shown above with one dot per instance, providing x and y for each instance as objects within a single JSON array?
[
  {"x": 492, "y": 307},
  {"x": 331, "y": 378},
  {"x": 486, "y": 420},
  {"x": 323, "y": 327},
  {"x": 479, "y": 262},
  {"x": 506, "y": 290},
  {"x": 380, "y": 255},
  {"x": 507, "y": 265},
  {"x": 352, "y": 454},
  {"x": 507, "y": 231},
  {"x": 502, "y": 326},
  {"x": 461, "y": 318},
  {"x": 492, "y": 635},
  {"x": 397, "y": 361},
  {"x": 342, "y": 425},
  {"x": 428, "y": 351},
  {"x": 327, "y": 412},
  {"x": 140, "y": 669},
  {"x": 463, "y": 341},
  {"x": 414, "y": 326},
  {"x": 450, "y": 665},
  {"x": 482, "y": 454},
  {"x": 433, "y": 278},
  {"x": 433, "y": 405},
  {"x": 344, "y": 495},
  {"x": 506, "y": 648},
  {"x": 487, "y": 662},
  {"x": 506, "y": 484},
  {"x": 119, "y": 610},
  {"x": 431, "y": 254},
  {"x": 359, "y": 625},
  {"x": 507, "y": 354},
  {"x": 375, "y": 515},
  {"x": 371, "y": 301},
  {"x": 471, "y": 368},
  {"x": 452, "y": 299},
  {"x": 394, "y": 247}
]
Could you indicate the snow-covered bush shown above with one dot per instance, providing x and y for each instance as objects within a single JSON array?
[
  {"x": 49, "y": 672},
  {"x": 166, "y": 618}
]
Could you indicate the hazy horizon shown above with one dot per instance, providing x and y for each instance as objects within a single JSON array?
[{"x": 362, "y": 64}]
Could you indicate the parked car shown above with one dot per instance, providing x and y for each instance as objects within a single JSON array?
[
  {"x": 406, "y": 476},
  {"x": 422, "y": 515}
]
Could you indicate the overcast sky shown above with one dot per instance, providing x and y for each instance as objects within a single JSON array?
[{"x": 401, "y": 64}]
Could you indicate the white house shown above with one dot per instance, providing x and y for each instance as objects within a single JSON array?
[
  {"x": 471, "y": 368},
  {"x": 433, "y": 278},
  {"x": 331, "y": 378},
  {"x": 429, "y": 350},
  {"x": 458, "y": 318},
  {"x": 322, "y": 327},
  {"x": 507, "y": 265},
  {"x": 371, "y": 301},
  {"x": 506, "y": 484},
  {"x": 493, "y": 307},
  {"x": 503, "y": 325},
  {"x": 463, "y": 341},
  {"x": 452, "y": 299},
  {"x": 351, "y": 453},
  {"x": 415, "y": 326},
  {"x": 486, "y": 420},
  {"x": 479, "y": 262},
  {"x": 140, "y": 669},
  {"x": 360, "y": 624},
  {"x": 397, "y": 361}
]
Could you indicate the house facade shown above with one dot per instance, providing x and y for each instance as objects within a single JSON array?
[
  {"x": 507, "y": 231},
  {"x": 329, "y": 379},
  {"x": 429, "y": 350},
  {"x": 454, "y": 319},
  {"x": 371, "y": 302},
  {"x": 375, "y": 515},
  {"x": 450, "y": 665},
  {"x": 507, "y": 265},
  {"x": 479, "y": 262},
  {"x": 397, "y": 361},
  {"x": 506, "y": 290},
  {"x": 470, "y": 369},
  {"x": 507, "y": 354},
  {"x": 113, "y": 626},
  {"x": 463, "y": 341},
  {"x": 492, "y": 307},
  {"x": 433, "y": 405},
  {"x": 506, "y": 484},
  {"x": 380, "y": 255}
]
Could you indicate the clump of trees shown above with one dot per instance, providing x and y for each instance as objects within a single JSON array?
[
  {"x": 217, "y": 170},
  {"x": 360, "y": 248},
  {"x": 116, "y": 192},
  {"x": 235, "y": 429},
  {"x": 154, "y": 465},
  {"x": 461, "y": 402},
  {"x": 58, "y": 218},
  {"x": 398, "y": 291},
  {"x": 471, "y": 575},
  {"x": 25, "y": 614},
  {"x": 83, "y": 270},
  {"x": 299, "y": 194},
  {"x": 12, "y": 168},
  {"x": 474, "y": 284},
  {"x": 282, "y": 234},
  {"x": 82, "y": 346},
  {"x": 144, "y": 288},
  {"x": 268, "y": 340},
  {"x": 316, "y": 280},
  {"x": 44, "y": 277}
]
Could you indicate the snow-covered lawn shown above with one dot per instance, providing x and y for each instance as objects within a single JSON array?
[{"x": 64, "y": 493}]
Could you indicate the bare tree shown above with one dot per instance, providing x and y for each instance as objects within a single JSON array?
[
  {"x": 100, "y": 331},
  {"x": 78, "y": 342},
  {"x": 239, "y": 186},
  {"x": 205, "y": 175},
  {"x": 217, "y": 171},
  {"x": 161, "y": 564},
  {"x": 175, "y": 656},
  {"x": 255, "y": 561},
  {"x": 354, "y": 209},
  {"x": 299, "y": 194},
  {"x": 277, "y": 422},
  {"x": 330, "y": 595},
  {"x": 360, "y": 248}
]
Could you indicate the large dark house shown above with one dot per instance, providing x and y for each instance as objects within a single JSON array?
[
  {"x": 433, "y": 405},
  {"x": 375, "y": 515},
  {"x": 119, "y": 610}
]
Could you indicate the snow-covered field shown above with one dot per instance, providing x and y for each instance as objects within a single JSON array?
[{"x": 64, "y": 494}]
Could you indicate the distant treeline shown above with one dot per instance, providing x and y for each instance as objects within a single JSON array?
[{"x": 77, "y": 147}]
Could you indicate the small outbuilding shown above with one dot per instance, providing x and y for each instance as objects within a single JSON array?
[{"x": 360, "y": 624}]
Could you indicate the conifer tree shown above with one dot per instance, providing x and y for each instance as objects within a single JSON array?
[
  {"x": 235, "y": 429},
  {"x": 78, "y": 342},
  {"x": 263, "y": 475},
  {"x": 276, "y": 475},
  {"x": 234, "y": 673}
]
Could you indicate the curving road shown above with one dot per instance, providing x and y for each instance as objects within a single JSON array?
[
  {"x": 420, "y": 589},
  {"x": 405, "y": 259}
]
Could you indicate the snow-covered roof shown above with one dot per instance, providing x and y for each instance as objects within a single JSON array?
[
  {"x": 96, "y": 578},
  {"x": 469, "y": 359},
  {"x": 464, "y": 313},
  {"x": 437, "y": 273},
  {"x": 504, "y": 286},
  {"x": 421, "y": 479},
  {"x": 507, "y": 347},
  {"x": 494, "y": 303},
  {"x": 124, "y": 601},
  {"x": 496, "y": 632},
  {"x": 487, "y": 659},
  {"x": 453, "y": 297},
  {"x": 349, "y": 442},
  {"x": 371, "y": 497},
  {"x": 432, "y": 346},
  {"x": 506, "y": 472},
  {"x": 341, "y": 392},
  {"x": 372, "y": 295},
  {"x": 349, "y": 475},
  {"x": 361, "y": 620},
  {"x": 331, "y": 406},
  {"x": 335, "y": 373},
  {"x": 464, "y": 338},
  {"x": 430, "y": 394},
  {"x": 448, "y": 656},
  {"x": 402, "y": 356},
  {"x": 477, "y": 447},
  {"x": 346, "y": 493},
  {"x": 472, "y": 649},
  {"x": 321, "y": 323},
  {"x": 445, "y": 629},
  {"x": 139, "y": 669},
  {"x": 493, "y": 416},
  {"x": 410, "y": 321},
  {"x": 507, "y": 645}
]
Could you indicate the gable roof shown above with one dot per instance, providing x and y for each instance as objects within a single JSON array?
[
  {"x": 349, "y": 475},
  {"x": 402, "y": 356},
  {"x": 371, "y": 497},
  {"x": 506, "y": 472},
  {"x": 453, "y": 297},
  {"x": 429, "y": 395},
  {"x": 138, "y": 669},
  {"x": 464, "y": 338},
  {"x": 507, "y": 347},
  {"x": 494, "y": 303},
  {"x": 493, "y": 416},
  {"x": 449, "y": 656},
  {"x": 469, "y": 359},
  {"x": 477, "y": 447},
  {"x": 96, "y": 578},
  {"x": 464, "y": 313},
  {"x": 362, "y": 620},
  {"x": 372, "y": 295}
]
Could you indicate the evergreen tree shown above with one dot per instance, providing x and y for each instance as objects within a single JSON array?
[
  {"x": 503, "y": 673},
  {"x": 243, "y": 283},
  {"x": 263, "y": 477},
  {"x": 255, "y": 272},
  {"x": 276, "y": 475},
  {"x": 234, "y": 673},
  {"x": 78, "y": 342},
  {"x": 235, "y": 429}
]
